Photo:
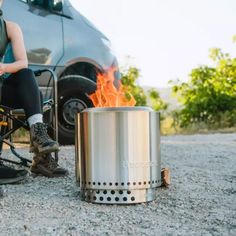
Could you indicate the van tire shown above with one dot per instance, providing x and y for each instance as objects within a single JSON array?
[{"x": 70, "y": 102}]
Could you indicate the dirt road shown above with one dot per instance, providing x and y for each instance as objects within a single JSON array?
[{"x": 200, "y": 201}]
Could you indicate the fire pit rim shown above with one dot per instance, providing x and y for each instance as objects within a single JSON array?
[{"x": 122, "y": 109}]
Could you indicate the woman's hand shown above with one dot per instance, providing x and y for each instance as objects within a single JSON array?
[{"x": 2, "y": 69}]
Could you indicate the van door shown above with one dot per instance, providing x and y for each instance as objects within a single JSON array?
[{"x": 42, "y": 30}]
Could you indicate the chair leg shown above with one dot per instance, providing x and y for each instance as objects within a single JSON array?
[
  {"x": 15, "y": 162},
  {"x": 6, "y": 136},
  {"x": 2, "y": 132},
  {"x": 23, "y": 161}
]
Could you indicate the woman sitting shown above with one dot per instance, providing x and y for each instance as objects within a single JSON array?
[{"x": 20, "y": 90}]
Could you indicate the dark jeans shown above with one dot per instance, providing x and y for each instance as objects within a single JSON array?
[{"x": 20, "y": 90}]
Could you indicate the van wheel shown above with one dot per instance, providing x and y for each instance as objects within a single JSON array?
[{"x": 70, "y": 102}]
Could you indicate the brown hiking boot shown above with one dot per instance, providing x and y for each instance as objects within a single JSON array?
[
  {"x": 45, "y": 164},
  {"x": 40, "y": 141}
]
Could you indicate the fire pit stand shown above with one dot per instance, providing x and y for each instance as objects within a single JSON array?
[{"x": 118, "y": 154}]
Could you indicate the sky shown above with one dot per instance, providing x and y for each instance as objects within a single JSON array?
[{"x": 164, "y": 39}]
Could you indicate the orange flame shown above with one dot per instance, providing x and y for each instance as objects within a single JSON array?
[{"x": 107, "y": 95}]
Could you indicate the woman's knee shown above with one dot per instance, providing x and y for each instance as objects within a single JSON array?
[
  {"x": 25, "y": 75},
  {"x": 25, "y": 72}
]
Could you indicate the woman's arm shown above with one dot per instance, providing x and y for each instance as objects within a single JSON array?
[{"x": 16, "y": 38}]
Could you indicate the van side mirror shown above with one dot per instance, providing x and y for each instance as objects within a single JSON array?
[{"x": 56, "y": 5}]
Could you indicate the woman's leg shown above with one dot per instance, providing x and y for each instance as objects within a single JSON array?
[{"x": 20, "y": 90}]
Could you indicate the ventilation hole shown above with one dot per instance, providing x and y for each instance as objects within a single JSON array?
[
  {"x": 120, "y": 192},
  {"x": 149, "y": 182},
  {"x": 156, "y": 181},
  {"x": 139, "y": 183},
  {"x": 101, "y": 198},
  {"x": 116, "y": 184},
  {"x": 94, "y": 183},
  {"x": 124, "y": 199},
  {"x": 129, "y": 192},
  {"x": 104, "y": 183},
  {"x": 99, "y": 183},
  {"x": 116, "y": 199},
  {"x": 105, "y": 192},
  {"x": 132, "y": 198},
  {"x": 110, "y": 184},
  {"x": 94, "y": 198},
  {"x": 89, "y": 183},
  {"x": 153, "y": 182},
  {"x": 128, "y": 183},
  {"x": 144, "y": 182},
  {"x": 97, "y": 191},
  {"x": 134, "y": 183},
  {"x": 108, "y": 199},
  {"x": 122, "y": 184},
  {"x": 112, "y": 192}
]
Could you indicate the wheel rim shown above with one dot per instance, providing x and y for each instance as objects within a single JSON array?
[{"x": 71, "y": 108}]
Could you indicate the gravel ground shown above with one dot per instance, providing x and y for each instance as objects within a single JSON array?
[{"x": 201, "y": 199}]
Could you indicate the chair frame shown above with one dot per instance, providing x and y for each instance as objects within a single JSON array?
[{"x": 10, "y": 115}]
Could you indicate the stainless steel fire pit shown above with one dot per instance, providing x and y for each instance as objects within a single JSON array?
[{"x": 118, "y": 154}]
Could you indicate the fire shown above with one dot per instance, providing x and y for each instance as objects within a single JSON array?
[{"x": 107, "y": 95}]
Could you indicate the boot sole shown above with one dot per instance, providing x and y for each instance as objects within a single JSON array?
[
  {"x": 44, "y": 150},
  {"x": 12, "y": 180},
  {"x": 33, "y": 174},
  {"x": 42, "y": 172}
]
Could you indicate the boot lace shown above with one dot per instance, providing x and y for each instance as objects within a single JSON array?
[
  {"x": 51, "y": 162},
  {"x": 41, "y": 133}
]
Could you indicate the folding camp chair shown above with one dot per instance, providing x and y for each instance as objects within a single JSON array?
[{"x": 13, "y": 119}]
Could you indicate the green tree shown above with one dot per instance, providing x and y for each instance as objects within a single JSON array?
[
  {"x": 129, "y": 78},
  {"x": 155, "y": 101},
  {"x": 210, "y": 94}
]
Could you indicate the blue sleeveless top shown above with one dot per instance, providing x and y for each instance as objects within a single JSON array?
[
  {"x": 3, "y": 37},
  {"x": 8, "y": 58}
]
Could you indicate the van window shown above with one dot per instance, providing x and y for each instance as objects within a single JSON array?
[
  {"x": 55, "y": 5},
  {"x": 40, "y": 3}
]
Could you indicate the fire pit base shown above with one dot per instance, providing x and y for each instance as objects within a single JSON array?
[{"x": 119, "y": 196}]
